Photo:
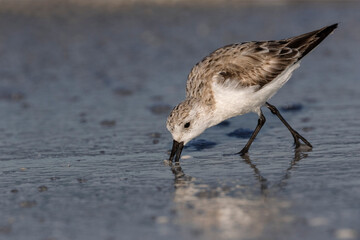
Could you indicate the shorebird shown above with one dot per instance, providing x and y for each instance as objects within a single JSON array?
[{"x": 237, "y": 79}]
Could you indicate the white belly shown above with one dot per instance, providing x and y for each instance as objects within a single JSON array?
[{"x": 231, "y": 102}]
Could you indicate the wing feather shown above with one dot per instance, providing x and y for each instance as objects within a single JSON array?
[{"x": 258, "y": 64}]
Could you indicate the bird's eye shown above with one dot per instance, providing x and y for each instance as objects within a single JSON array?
[{"x": 187, "y": 125}]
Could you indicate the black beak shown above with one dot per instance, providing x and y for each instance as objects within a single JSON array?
[{"x": 176, "y": 150}]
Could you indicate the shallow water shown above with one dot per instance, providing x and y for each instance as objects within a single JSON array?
[{"x": 84, "y": 98}]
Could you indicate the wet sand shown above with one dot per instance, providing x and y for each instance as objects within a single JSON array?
[{"x": 84, "y": 96}]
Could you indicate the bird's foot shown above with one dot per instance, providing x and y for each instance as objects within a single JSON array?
[
  {"x": 297, "y": 138},
  {"x": 243, "y": 152}
]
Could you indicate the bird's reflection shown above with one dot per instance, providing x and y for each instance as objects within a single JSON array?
[
  {"x": 180, "y": 176},
  {"x": 263, "y": 181},
  {"x": 214, "y": 213},
  {"x": 299, "y": 153}
]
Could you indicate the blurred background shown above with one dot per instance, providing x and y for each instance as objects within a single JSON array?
[{"x": 85, "y": 90}]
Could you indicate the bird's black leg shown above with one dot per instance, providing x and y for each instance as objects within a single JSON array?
[
  {"x": 294, "y": 133},
  {"x": 261, "y": 122}
]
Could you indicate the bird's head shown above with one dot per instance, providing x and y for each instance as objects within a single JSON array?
[{"x": 185, "y": 122}]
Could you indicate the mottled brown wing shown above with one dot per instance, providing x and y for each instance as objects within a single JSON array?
[
  {"x": 241, "y": 65},
  {"x": 261, "y": 62},
  {"x": 252, "y": 63},
  {"x": 258, "y": 64}
]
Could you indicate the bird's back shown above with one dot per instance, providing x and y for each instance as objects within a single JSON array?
[{"x": 250, "y": 63}]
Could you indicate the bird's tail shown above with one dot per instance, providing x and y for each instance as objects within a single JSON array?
[{"x": 308, "y": 41}]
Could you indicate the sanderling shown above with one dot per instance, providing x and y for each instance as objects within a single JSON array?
[{"x": 238, "y": 79}]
